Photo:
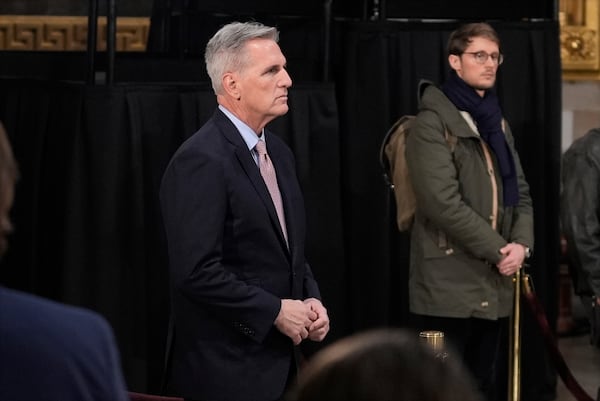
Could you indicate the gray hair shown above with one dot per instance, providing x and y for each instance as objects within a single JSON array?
[{"x": 225, "y": 50}]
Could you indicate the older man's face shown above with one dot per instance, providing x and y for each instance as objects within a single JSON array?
[{"x": 264, "y": 81}]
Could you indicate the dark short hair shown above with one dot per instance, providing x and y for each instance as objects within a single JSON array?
[
  {"x": 8, "y": 176},
  {"x": 8, "y": 164},
  {"x": 382, "y": 365},
  {"x": 461, "y": 38}
]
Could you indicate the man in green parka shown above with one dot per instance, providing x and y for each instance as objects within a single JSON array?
[{"x": 473, "y": 226}]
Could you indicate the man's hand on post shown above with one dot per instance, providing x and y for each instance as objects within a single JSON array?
[{"x": 513, "y": 256}]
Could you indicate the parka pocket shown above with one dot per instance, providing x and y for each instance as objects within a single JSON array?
[{"x": 436, "y": 243}]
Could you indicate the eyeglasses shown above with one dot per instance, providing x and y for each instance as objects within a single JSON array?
[{"x": 481, "y": 57}]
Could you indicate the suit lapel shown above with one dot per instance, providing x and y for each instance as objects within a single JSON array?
[
  {"x": 248, "y": 164},
  {"x": 284, "y": 181}
]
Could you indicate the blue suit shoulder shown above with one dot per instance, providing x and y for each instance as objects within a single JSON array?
[{"x": 54, "y": 351}]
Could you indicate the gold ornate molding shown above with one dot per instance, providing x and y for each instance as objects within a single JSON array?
[
  {"x": 69, "y": 33},
  {"x": 579, "y": 40}
]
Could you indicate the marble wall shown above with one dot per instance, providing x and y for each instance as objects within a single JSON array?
[{"x": 580, "y": 110}]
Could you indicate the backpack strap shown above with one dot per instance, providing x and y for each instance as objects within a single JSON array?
[
  {"x": 423, "y": 84},
  {"x": 384, "y": 161},
  {"x": 451, "y": 139}
]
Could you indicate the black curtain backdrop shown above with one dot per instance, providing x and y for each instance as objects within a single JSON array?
[{"x": 88, "y": 229}]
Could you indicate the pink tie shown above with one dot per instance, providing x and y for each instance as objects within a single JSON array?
[{"x": 270, "y": 177}]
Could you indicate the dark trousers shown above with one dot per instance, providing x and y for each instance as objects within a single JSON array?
[
  {"x": 477, "y": 342},
  {"x": 592, "y": 311},
  {"x": 291, "y": 379}
]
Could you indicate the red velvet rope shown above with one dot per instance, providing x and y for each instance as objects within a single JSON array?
[{"x": 552, "y": 345}]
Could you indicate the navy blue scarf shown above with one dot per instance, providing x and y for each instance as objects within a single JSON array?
[{"x": 488, "y": 116}]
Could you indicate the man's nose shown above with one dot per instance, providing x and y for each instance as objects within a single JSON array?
[{"x": 286, "y": 79}]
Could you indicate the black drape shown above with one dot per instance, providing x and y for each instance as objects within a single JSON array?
[{"x": 88, "y": 229}]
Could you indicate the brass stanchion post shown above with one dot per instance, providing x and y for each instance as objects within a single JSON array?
[
  {"x": 514, "y": 374},
  {"x": 435, "y": 340}
]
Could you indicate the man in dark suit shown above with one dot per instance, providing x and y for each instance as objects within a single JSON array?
[
  {"x": 50, "y": 351},
  {"x": 243, "y": 294}
]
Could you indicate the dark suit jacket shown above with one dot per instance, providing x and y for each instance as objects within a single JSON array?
[
  {"x": 51, "y": 352},
  {"x": 230, "y": 265}
]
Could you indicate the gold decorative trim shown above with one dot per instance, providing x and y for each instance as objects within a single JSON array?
[
  {"x": 68, "y": 33},
  {"x": 579, "y": 42}
]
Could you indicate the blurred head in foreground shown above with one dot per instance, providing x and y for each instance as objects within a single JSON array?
[{"x": 382, "y": 365}]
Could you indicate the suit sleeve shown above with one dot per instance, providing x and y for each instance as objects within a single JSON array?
[{"x": 311, "y": 288}]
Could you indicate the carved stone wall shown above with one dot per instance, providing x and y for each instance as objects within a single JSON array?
[
  {"x": 128, "y": 8},
  {"x": 579, "y": 41},
  {"x": 54, "y": 33}
]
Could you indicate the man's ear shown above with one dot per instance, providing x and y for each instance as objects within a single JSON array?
[
  {"x": 454, "y": 61},
  {"x": 231, "y": 85}
]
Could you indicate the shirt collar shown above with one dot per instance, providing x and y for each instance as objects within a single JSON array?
[{"x": 247, "y": 133}]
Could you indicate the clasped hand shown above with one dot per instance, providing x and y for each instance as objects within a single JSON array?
[{"x": 303, "y": 319}]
